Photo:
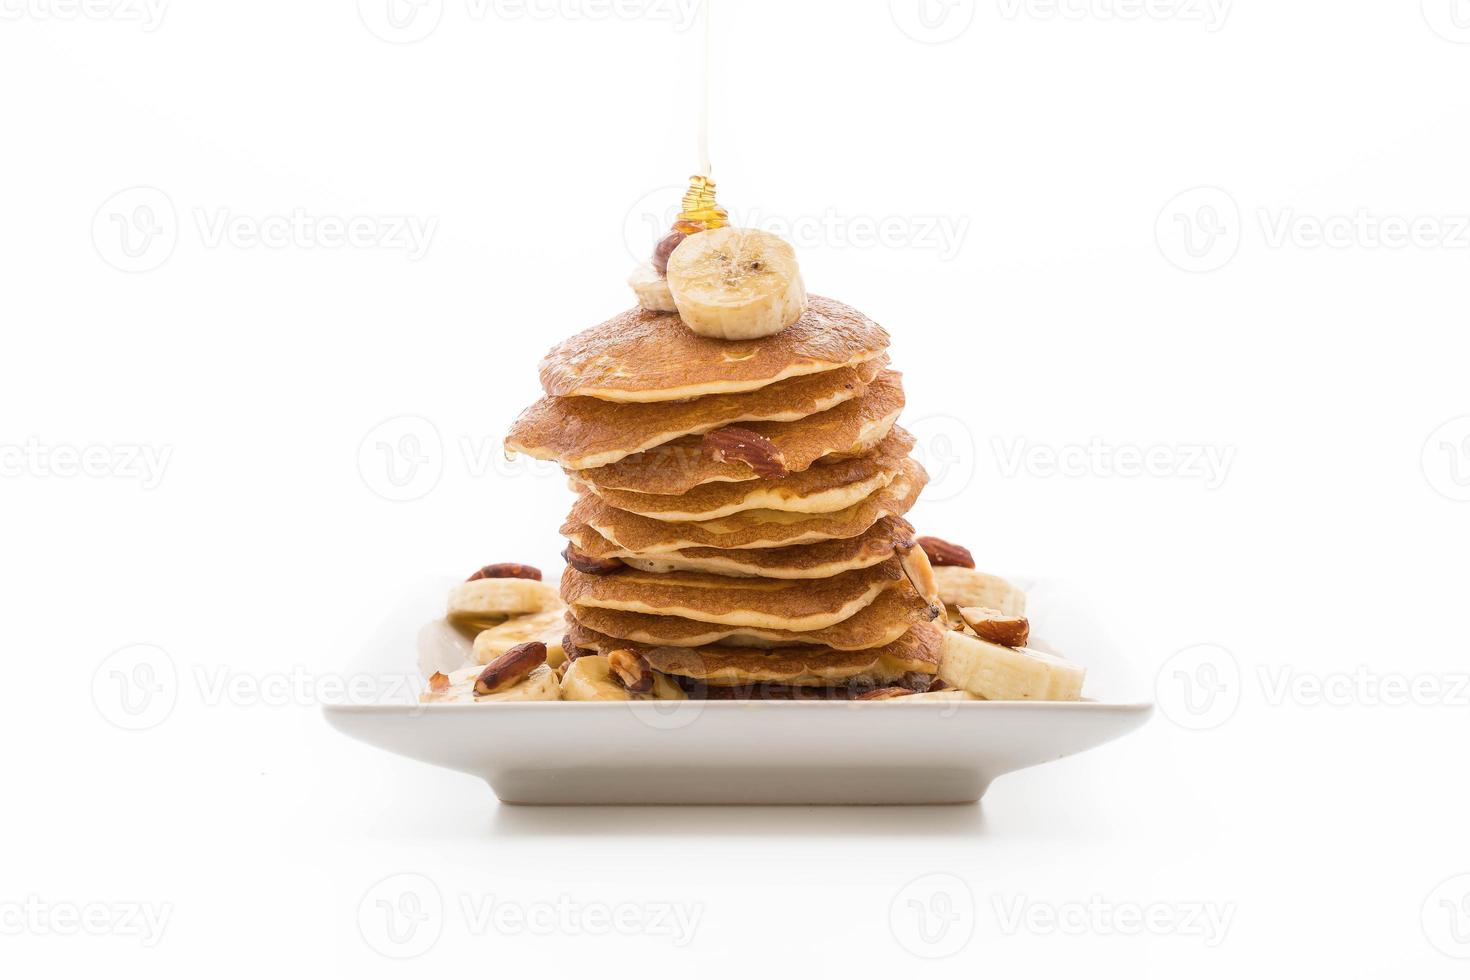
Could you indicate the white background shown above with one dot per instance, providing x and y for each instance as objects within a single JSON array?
[{"x": 1084, "y": 309}]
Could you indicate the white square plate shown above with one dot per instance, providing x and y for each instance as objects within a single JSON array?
[{"x": 804, "y": 752}]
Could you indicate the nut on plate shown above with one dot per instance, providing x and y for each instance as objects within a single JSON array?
[
  {"x": 506, "y": 569},
  {"x": 942, "y": 552},
  {"x": 510, "y": 668},
  {"x": 630, "y": 668},
  {"x": 997, "y": 627}
]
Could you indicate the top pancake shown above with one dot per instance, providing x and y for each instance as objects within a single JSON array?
[
  {"x": 583, "y": 432},
  {"x": 642, "y": 356}
]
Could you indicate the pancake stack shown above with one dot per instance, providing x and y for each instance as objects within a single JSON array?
[{"x": 739, "y": 524}]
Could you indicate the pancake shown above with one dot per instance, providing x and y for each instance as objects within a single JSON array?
[
  {"x": 918, "y": 650},
  {"x": 750, "y": 528},
  {"x": 821, "y": 489},
  {"x": 885, "y": 620},
  {"x": 584, "y": 432},
  {"x": 821, "y": 560},
  {"x": 853, "y": 428},
  {"x": 642, "y": 356},
  {"x": 785, "y": 604}
]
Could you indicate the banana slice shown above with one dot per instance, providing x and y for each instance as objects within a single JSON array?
[
  {"x": 999, "y": 673},
  {"x": 736, "y": 283},
  {"x": 652, "y": 289},
  {"x": 491, "y": 600},
  {"x": 946, "y": 695},
  {"x": 539, "y": 685},
  {"x": 960, "y": 586},
  {"x": 588, "y": 678},
  {"x": 548, "y": 627}
]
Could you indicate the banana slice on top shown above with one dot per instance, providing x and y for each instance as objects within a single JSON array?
[{"x": 736, "y": 283}]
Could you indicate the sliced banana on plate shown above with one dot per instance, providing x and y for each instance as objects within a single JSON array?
[
  {"x": 999, "y": 673},
  {"x": 736, "y": 283},
  {"x": 492, "y": 600},
  {"x": 589, "y": 678},
  {"x": 548, "y": 627},
  {"x": 960, "y": 586},
  {"x": 458, "y": 687}
]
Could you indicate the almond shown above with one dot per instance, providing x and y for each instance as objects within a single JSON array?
[
  {"x": 995, "y": 626},
  {"x": 506, "y": 570},
  {"x": 510, "y": 668},
  {"x": 942, "y": 552},
  {"x": 734, "y": 444},
  {"x": 590, "y": 565},
  {"x": 632, "y": 670}
]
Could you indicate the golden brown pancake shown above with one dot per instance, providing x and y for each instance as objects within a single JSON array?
[
  {"x": 750, "y": 528},
  {"x": 918, "y": 650},
  {"x": 642, "y": 356},
  {"x": 809, "y": 561},
  {"x": 853, "y": 428},
  {"x": 584, "y": 432},
  {"x": 787, "y": 604},
  {"x": 820, "y": 489},
  {"x": 876, "y": 625}
]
